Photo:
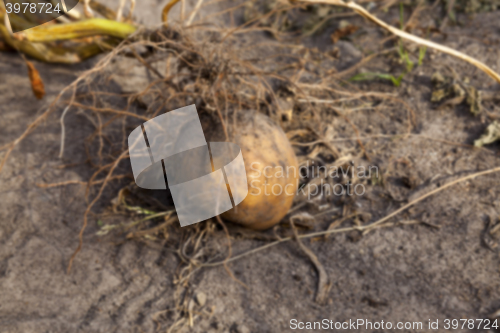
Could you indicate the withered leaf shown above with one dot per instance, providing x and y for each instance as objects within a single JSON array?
[
  {"x": 343, "y": 32},
  {"x": 491, "y": 135},
  {"x": 36, "y": 80}
]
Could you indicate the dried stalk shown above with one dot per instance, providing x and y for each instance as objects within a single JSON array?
[
  {"x": 166, "y": 10},
  {"x": 400, "y": 33}
]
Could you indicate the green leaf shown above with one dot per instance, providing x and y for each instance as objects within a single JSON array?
[
  {"x": 383, "y": 76},
  {"x": 421, "y": 54}
]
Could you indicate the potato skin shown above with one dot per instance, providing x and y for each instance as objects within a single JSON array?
[{"x": 266, "y": 150}]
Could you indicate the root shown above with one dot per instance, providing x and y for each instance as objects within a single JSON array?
[
  {"x": 89, "y": 207},
  {"x": 323, "y": 282}
]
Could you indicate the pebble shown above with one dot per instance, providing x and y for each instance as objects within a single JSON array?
[{"x": 201, "y": 298}]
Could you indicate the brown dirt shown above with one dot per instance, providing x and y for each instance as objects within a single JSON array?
[{"x": 403, "y": 273}]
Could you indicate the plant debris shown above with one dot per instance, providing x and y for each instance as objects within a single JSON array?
[
  {"x": 451, "y": 92},
  {"x": 343, "y": 32},
  {"x": 69, "y": 42},
  {"x": 491, "y": 135},
  {"x": 36, "y": 81}
]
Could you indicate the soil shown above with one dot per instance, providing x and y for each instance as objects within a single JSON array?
[{"x": 446, "y": 267}]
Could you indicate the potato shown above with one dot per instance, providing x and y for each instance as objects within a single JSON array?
[{"x": 272, "y": 172}]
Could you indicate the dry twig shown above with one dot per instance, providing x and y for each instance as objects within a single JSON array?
[{"x": 324, "y": 284}]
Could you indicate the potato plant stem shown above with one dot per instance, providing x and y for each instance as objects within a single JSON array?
[{"x": 80, "y": 29}]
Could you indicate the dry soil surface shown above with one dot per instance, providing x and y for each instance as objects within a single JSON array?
[{"x": 447, "y": 267}]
